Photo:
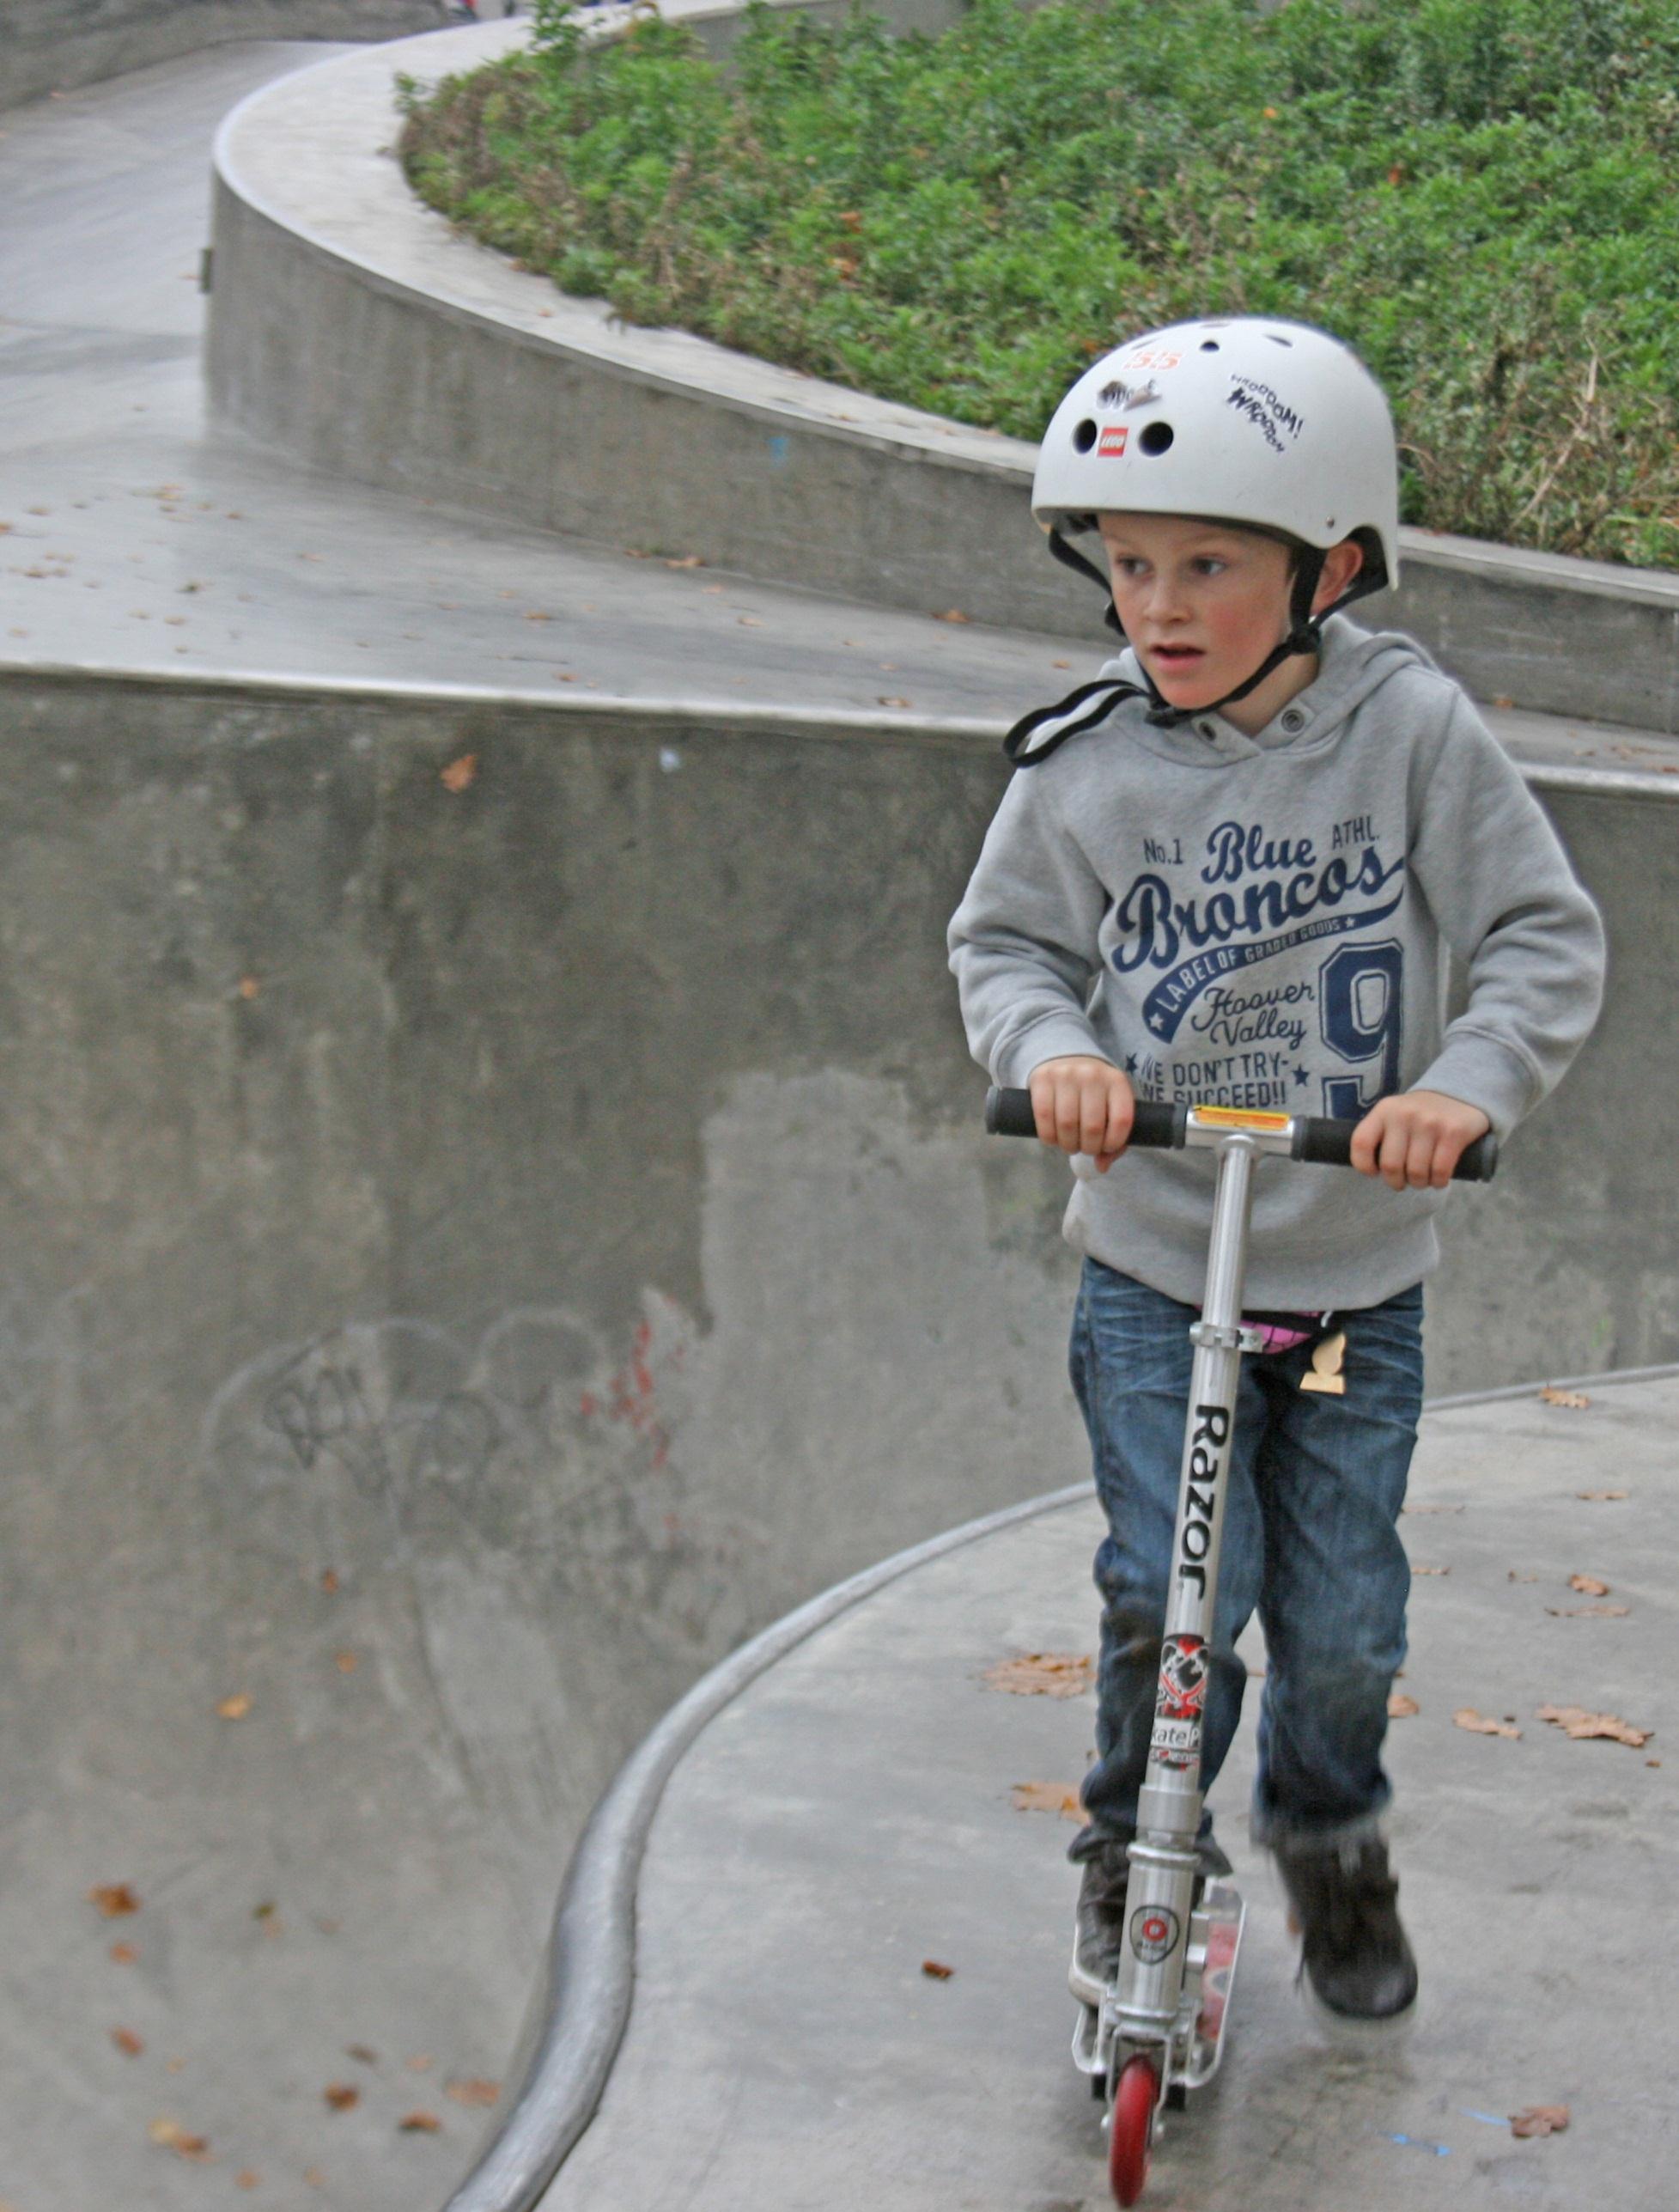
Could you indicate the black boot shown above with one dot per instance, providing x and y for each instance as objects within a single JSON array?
[
  {"x": 1354, "y": 1956},
  {"x": 1100, "y": 1931}
]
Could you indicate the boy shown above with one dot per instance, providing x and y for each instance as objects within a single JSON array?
[{"x": 1228, "y": 878}]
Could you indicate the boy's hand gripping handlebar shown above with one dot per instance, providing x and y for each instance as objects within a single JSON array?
[{"x": 1170, "y": 1126}]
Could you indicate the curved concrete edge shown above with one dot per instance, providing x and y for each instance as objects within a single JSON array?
[
  {"x": 838, "y": 723},
  {"x": 592, "y": 1954},
  {"x": 586, "y": 1995},
  {"x": 350, "y": 327}
]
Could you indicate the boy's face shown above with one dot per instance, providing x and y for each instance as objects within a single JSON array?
[{"x": 1202, "y": 604}]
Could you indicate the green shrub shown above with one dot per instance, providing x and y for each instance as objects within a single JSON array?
[{"x": 1478, "y": 194}]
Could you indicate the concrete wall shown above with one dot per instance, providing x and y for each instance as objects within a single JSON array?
[{"x": 48, "y": 46}]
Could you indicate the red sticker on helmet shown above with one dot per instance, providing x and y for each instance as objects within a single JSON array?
[{"x": 1112, "y": 440}]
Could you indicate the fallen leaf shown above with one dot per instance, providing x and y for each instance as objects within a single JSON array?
[
  {"x": 1479, "y": 1725},
  {"x": 347, "y": 1661},
  {"x": 247, "y": 2177},
  {"x": 1588, "y": 1612},
  {"x": 1574, "y": 1721},
  {"x": 749, "y": 622},
  {"x": 329, "y": 1583},
  {"x": 886, "y": 701},
  {"x": 360, "y": 2051},
  {"x": 1400, "y": 1708},
  {"x": 1043, "y": 1674},
  {"x": 234, "y": 1708},
  {"x": 934, "y": 1971},
  {"x": 1588, "y": 1585},
  {"x": 127, "y": 2040},
  {"x": 688, "y": 561},
  {"x": 536, "y": 614},
  {"x": 1551, "y": 1396},
  {"x": 249, "y": 987},
  {"x": 1049, "y": 1797},
  {"x": 474, "y": 2091},
  {"x": 169, "y": 2135},
  {"x": 953, "y": 614},
  {"x": 416, "y": 2124},
  {"x": 123, "y": 1954},
  {"x": 1540, "y": 2120},
  {"x": 459, "y": 773},
  {"x": 1515, "y": 1577},
  {"x": 421, "y": 2064},
  {"x": 1602, "y": 1493},
  {"x": 115, "y": 1899},
  {"x": 1431, "y": 1570},
  {"x": 341, "y": 2095}
]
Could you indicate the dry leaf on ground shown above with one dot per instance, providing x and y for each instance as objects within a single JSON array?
[
  {"x": 459, "y": 773},
  {"x": 1043, "y": 1674},
  {"x": 1588, "y": 1585},
  {"x": 115, "y": 1899},
  {"x": 891, "y": 700},
  {"x": 1049, "y": 1797},
  {"x": 1478, "y": 1724},
  {"x": 1588, "y": 1612},
  {"x": 127, "y": 2040},
  {"x": 953, "y": 614},
  {"x": 235, "y": 1707},
  {"x": 1431, "y": 1570},
  {"x": 1400, "y": 1708},
  {"x": 473, "y": 2090},
  {"x": 936, "y": 1972},
  {"x": 169, "y": 2135},
  {"x": 1539, "y": 2120},
  {"x": 1550, "y": 1395},
  {"x": 1602, "y": 1493},
  {"x": 418, "y": 2124},
  {"x": 342, "y": 2095},
  {"x": 1575, "y": 1721}
]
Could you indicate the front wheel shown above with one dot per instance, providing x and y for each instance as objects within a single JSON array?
[{"x": 1132, "y": 2127}]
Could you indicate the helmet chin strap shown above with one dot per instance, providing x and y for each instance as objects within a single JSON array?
[{"x": 1304, "y": 627}]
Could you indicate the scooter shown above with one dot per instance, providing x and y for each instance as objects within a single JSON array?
[{"x": 1158, "y": 2030}]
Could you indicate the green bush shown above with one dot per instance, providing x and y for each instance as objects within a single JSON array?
[{"x": 1478, "y": 194}]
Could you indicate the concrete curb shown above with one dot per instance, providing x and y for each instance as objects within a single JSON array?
[
  {"x": 584, "y": 2005},
  {"x": 837, "y": 724},
  {"x": 350, "y": 328}
]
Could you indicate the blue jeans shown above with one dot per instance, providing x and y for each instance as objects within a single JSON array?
[{"x": 1316, "y": 1486}]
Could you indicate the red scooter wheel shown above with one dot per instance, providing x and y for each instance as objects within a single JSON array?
[{"x": 1132, "y": 2127}]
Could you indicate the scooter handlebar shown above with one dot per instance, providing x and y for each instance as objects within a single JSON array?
[{"x": 1164, "y": 1125}]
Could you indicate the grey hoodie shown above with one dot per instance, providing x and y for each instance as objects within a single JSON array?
[{"x": 1261, "y": 922}]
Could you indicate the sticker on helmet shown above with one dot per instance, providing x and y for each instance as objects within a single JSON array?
[
  {"x": 1119, "y": 394},
  {"x": 1152, "y": 356},
  {"x": 1262, "y": 406},
  {"x": 1112, "y": 440}
]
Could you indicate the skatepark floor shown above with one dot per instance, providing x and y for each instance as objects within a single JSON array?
[{"x": 851, "y": 1817}]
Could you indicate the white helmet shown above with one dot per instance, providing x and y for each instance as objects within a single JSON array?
[{"x": 1272, "y": 424}]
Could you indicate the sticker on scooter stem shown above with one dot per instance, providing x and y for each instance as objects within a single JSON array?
[
  {"x": 1154, "y": 1930},
  {"x": 1179, "y": 1700}
]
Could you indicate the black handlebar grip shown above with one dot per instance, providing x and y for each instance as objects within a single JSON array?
[
  {"x": 1329, "y": 1144},
  {"x": 1155, "y": 1122}
]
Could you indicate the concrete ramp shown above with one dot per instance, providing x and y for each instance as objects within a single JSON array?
[{"x": 849, "y": 1822}]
